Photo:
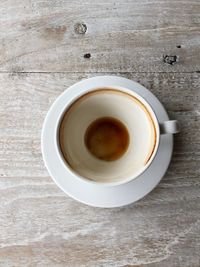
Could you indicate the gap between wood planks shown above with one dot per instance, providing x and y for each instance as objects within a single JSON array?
[{"x": 98, "y": 72}]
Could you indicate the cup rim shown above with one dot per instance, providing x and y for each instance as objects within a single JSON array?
[{"x": 120, "y": 89}]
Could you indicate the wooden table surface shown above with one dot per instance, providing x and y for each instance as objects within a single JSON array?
[{"x": 46, "y": 46}]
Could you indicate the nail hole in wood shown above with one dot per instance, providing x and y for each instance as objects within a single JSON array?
[
  {"x": 178, "y": 46},
  {"x": 88, "y": 55}
]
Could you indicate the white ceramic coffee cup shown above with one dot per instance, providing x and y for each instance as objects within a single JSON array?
[{"x": 108, "y": 173}]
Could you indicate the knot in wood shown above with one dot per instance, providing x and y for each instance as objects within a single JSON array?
[
  {"x": 170, "y": 59},
  {"x": 80, "y": 28}
]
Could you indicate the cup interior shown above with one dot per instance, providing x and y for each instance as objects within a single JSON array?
[{"x": 138, "y": 139}]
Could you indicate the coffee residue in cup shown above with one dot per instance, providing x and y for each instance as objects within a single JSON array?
[{"x": 107, "y": 138}]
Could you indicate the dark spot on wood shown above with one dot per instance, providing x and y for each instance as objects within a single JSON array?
[
  {"x": 80, "y": 28},
  {"x": 197, "y": 71},
  {"x": 170, "y": 59},
  {"x": 88, "y": 55},
  {"x": 178, "y": 46}
]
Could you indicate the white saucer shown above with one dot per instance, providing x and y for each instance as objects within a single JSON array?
[{"x": 101, "y": 195}]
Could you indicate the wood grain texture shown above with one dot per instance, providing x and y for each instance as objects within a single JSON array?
[
  {"x": 46, "y": 46},
  {"x": 42, "y": 35},
  {"x": 41, "y": 226}
]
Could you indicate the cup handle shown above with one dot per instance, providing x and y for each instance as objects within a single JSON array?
[{"x": 169, "y": 127}]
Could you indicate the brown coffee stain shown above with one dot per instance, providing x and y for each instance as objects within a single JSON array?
[{"x": 107, "y": 138}]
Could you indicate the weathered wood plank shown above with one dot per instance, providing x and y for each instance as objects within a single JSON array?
[
  {"x": 121, "y": 35},
  {"x": 41, "y": 226}
]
